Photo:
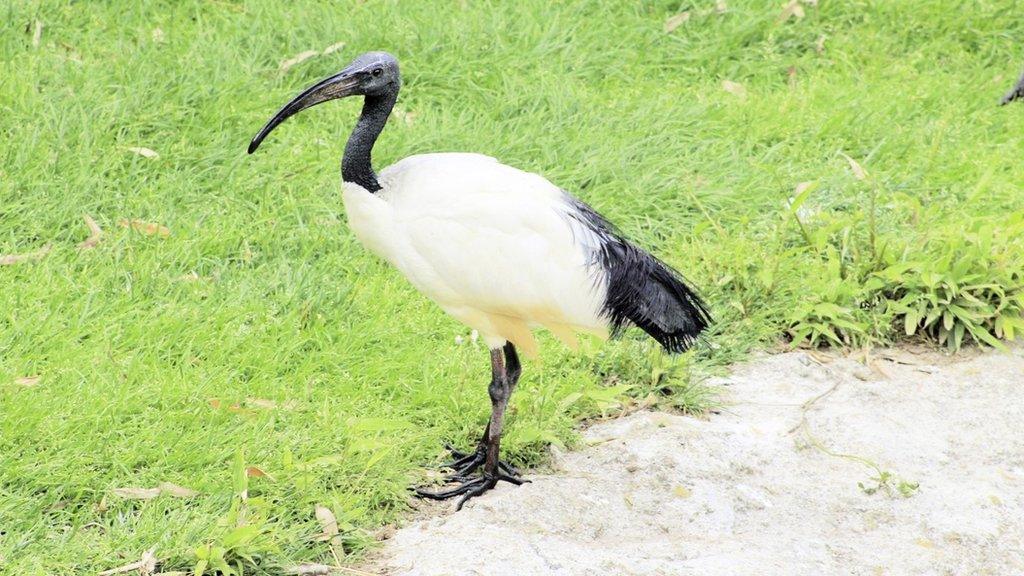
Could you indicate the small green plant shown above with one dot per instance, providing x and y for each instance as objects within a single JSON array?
[
  {"x": 964, "y": 284},
  {"x": 830, "y": 313},
  {"x": 242, "y": 535},
  {"x": 891, "y": 483}
]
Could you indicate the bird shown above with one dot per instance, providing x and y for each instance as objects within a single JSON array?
[
  {"x": 502, "y": 250},
  {"x": 1015, "y": 93}
]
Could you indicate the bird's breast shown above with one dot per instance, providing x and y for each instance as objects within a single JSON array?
[{"x": 371, "y": 219}]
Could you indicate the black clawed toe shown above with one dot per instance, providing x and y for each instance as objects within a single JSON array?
[
  {"x": 470, "y": 488},
  {"x": 457, "y": 454},
  {"x": 464, "y": 464}
]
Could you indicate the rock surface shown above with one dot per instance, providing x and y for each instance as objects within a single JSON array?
[{"x": 754, "y": 490}]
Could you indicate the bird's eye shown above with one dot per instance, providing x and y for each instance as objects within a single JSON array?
[{"x": 377, "y": 71}]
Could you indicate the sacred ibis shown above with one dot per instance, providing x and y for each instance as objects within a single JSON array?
[{"x": 502, "y": 250}]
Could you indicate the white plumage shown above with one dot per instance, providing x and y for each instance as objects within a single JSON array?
[{"x": 490, "y": 244}]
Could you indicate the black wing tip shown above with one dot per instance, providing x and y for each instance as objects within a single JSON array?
[
  {"x": 684, "y": 338},
  {"x": 645, "y": 292},
  {"x": 679, "y": 345},
  {"x": 679, "y": 342},
  {"x": 675, "y": 342}
]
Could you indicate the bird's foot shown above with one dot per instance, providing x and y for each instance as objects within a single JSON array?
[
  {"x": 463, "y": 464},
  {"x": 470, "y": 487}
]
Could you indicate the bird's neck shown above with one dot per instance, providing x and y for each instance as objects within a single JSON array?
[{"x": 355, "y": 165}]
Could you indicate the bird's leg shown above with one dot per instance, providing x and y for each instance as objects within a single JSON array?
[
  {"x": 463, "y": 463},
  {"x": 504, "y": 376},
  {"x": 492, "y": 435}
]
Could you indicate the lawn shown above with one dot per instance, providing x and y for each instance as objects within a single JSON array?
[{"x": 839, "y": 177}]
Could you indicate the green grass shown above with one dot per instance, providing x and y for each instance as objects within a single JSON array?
[{"x": 261, "y": 292}]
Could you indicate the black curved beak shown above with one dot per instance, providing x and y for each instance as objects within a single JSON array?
[{"x": 342, "y": 84}]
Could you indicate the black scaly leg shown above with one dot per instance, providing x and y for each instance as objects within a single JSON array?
[{"x": 504, "y": 376}]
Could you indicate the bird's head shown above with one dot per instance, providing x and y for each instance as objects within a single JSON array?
[{"x": 370, "y": 74}]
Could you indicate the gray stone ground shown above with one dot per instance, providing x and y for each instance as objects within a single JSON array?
[{"x": 746, "y": 492}]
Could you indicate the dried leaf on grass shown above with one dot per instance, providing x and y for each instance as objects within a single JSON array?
[
  {"x": 792, "y": 9},
  {"x": 37, "y": 34},
  {"x": 136, "y": 493},
  {"x": 147, "y": 228},
  {"x": 328, "y": 523},
  {"x": 145, "y": 565},
  {"x": 297, "y": 59},
  {"x": 27, "y": 381},
  {"x": 144, "y": 152},
  {"x": 858, "y": 170},
  {"x": 802, "y": 187},
  {"x": 9, "y": 259},
  {"x": 269, "y": 404},
  {"x": 307, "y": 54},
  {"x": 261, "y": 403},
  {"x": 149, "y": 493},
  {"x": 216, "y": 404},
  {"x": 819, "y": 46},
  {"x": 255, "y": 472},
  {"x": 333, "y": 48},
  {"x": 176, "y": 491},
  {"x": 734, "y": 88},
  {"x": 95, "y": 234},
  {"x": 721, "y": 7},
  {"x": 330, "y": 532},
  {"x": 158, "y": 35},
  {"x": 676, "y": 21},
  {"x": 309, "y": 569}
]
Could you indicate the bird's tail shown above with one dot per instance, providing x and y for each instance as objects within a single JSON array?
[
  {"x": 640, "y": 289},
  {"x": 648, "y": 293}
]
